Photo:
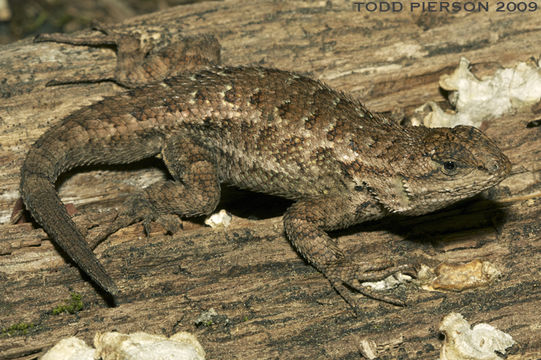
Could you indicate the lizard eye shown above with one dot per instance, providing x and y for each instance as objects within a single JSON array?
[{"x": 449, "y": 167}]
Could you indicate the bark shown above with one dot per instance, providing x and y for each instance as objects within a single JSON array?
[{"x": 270, "y": 303}]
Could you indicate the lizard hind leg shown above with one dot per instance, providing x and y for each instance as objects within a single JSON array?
[
  {"x": 139, "y": 63},
  {"x": 194, "y": 191}
]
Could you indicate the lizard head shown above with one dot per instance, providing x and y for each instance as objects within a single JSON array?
[{"x": 443, "y": 166}]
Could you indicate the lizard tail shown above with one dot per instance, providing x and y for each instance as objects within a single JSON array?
[{"x": 39, "y": 173}]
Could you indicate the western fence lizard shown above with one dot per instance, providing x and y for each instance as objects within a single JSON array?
[{"x": 262, "y": 129}]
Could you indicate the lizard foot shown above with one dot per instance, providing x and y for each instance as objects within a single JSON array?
[
  {"x": 171, "y": 223},
  {"x": 347, "y": 277},
  {"x": 134, "y": 210}
]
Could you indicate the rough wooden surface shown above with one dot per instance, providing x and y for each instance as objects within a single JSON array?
[{"x": 270, "y": 303}]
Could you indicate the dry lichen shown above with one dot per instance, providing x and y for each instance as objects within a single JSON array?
[
  {"x": 476, "y": 100},
  {"x": 465, "y": 343},
  {"x": 458, "y": 277},
  {"x": 136, "y": 346}
]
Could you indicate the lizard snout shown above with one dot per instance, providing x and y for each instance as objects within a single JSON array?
[{"x": 500, "y": 166}]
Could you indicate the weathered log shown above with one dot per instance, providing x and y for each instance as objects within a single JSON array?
[{"x": 270, "y": 303}]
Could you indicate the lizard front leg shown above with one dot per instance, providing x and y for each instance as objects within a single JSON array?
[
  {"x": 194, "y": 191},
  {"x": 306, "y": 223}
]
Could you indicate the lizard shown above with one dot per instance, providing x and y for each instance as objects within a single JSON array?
[{"x": 262, "y": 129}]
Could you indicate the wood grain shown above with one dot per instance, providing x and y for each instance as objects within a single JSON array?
[{"x": 270, "y": 303}]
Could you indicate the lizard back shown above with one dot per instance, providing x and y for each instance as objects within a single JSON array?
[
  {"x": 286, "y": 127},
  {"x": 273, "y": 131}
]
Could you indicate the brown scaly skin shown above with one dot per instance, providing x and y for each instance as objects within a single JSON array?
[{"x": 266, "y": 130}]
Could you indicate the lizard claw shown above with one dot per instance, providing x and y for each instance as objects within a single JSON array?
[{"x": 347, "y": 277}]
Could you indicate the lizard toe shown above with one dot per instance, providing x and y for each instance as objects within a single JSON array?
[{"x": 347, "y": 277}]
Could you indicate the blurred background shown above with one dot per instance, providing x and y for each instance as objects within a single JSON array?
[{"x": 22, "y": 18}]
